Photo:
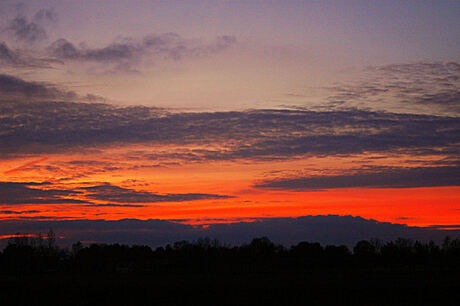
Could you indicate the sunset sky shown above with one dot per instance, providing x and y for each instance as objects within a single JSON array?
[{"x": 193, "y": 113}]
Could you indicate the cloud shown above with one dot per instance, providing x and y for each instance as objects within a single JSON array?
[
  {"x": 63, "y": 49},
  {"x": 78, "y": 168},
  {"x": 115, "y": 205},
  {"x": 454, "y": 226},
  {"x": 424, "y": 87},
  {"x": 15, "y": 193},
  {"x": 44, "y": 16},
  {"x": 26, "y": 165},
  {"x": 448, "y": 99},
  {"x": 287, "y": 231},
  {"x": 26, "y": 31},
  {"x": 126, "y": 50},
  {"x": 388, "y": 178},
  {"x": 258, "y": 135},
  {"x": 19, "y": 59},
  {"x": 11, "y": 86},
  {"x": 10, "y": 212},
  {"x": 15, "y": 89},
  {"x": 117, "y": 194},
  {"x": 124, "y": 54},
  {"x": 419, "y": 69},
  {"x": 253, "y": 135},
  {"x": 223, "y": 42},
  {"x": 7, "y": 56}
]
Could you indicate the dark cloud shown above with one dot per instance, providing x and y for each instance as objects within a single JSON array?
[
  {"x": 49, "y": 127},
  {"x": 441, "y": 227},
  {"x": 387, "y": 178},
  {"x": 124, "y": 54},
  {"x": 412, "y": 88},
  {"x": 14, "y": 89},
  {"x": 40, "y": 218},
  {"x": 7, "y": 56},
  {"x": 26, "y": 31},
  {"x": 255, "y": 135},
  {"x": 449, "y": 99},
  {"x": 44, "y": 16},
  {"x": 18, "y": 59},
  {"x": 10, "y": 212},
  {"x": 117, "y": 194},
  {"x": 167, "y": 45},
  {"x": 324, "y": 229},
  {"x": 116, "y": 205},
  {"x": 13, "y": 86},
  {"x": 419, "y": 69},
  {"x": 80, "y": 169},
  {"x": 13, "y": 193},
  {"x": 117, "y": 51}
]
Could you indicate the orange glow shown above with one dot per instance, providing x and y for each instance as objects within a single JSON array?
[
  {"x": 16, "y": 236},
  {"x": 411, "y": 206}
]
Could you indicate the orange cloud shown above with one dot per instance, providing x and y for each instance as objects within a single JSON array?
[{"x": 26, "y": 165}]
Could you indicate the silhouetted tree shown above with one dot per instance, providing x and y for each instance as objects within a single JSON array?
[
  {"x": 51, "y": 239},
  {"x": 364, "y": 249},
  {"x": 76, "y": 247},
  {"x": 25, "y": 254}
]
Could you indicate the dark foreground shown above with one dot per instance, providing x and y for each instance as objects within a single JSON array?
[{"x": 206, "y": 273}]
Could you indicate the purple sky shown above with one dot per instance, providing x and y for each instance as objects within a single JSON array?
[{"x": 277, "y": 47}]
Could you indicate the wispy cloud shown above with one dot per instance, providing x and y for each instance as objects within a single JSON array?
[
  {"x": 21, "y": 212},
  {"x": 15, "y": 89},
  {"x": 29, "y": 32},
  {"x": 385, "y": 178},
  {"x": 16, "y": 193},
  {"x": 167, "y": 45},
  {"x": 26, "y": 31},
  {"x": 259, "y": 134},
  {"x": 22, "y": 59},
  {"x": 25, "y": 27},
  {"x": 111, "y": 193},
  {"x": 116, "y": 205},
  {"x": 31, "y": 163},
  {"x": 424, "y": 87}
]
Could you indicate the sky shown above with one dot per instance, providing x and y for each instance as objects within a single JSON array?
[{"x": 230, "y": 118}]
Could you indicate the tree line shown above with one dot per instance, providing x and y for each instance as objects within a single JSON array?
[{"x": 41, "y": 254}]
